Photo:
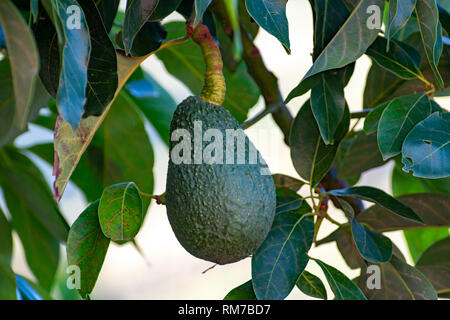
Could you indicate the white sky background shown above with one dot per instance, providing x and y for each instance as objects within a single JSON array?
[{"x": 171, "y": 272}]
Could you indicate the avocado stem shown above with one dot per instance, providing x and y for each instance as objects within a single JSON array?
[{"x": 214, "y": 88}]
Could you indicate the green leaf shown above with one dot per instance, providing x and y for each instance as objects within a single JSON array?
[
  {"x": 70, "y": 145},
  {"x": 284, "y": 181},
  {"x": 399, "y": 281},
  {"x": 163, "y": 9},
  {"x": 7, "y": 280},
  {"x": 23, "y": 179},
  {"x": 243, "y": 292},
  {"x": 402, "y": 60},
  {"x": 23, "y": 54},
  {"x": 120, "y": 211},
  {"x": 9, "y": 129},
  {"x": 398, "y": 119},
  {"x": 357, "y": 154},
  {"x": 185, "y": 62},
  {"x": 351, "y": 41},
  {"x": 431, "y": 34},
  {"x": 372, "y": 119},
  {"x": 426, "y": 147},
  {"x": 329, "y": 16},
  {"x": 328, "y": 104},
  {"x": 87, "y": 247},
  {"x": 287, "y": 200},
  {"x": 404, "y": 183},
  {"x": 5, "y": 239},
  {"x": 399, "y": 13},
  {"x": 372, "y": 246},
  {"x": 436, "y": 255},
  {"x": 282, "y": 257},
  {"x": 311, "y": 157},
  {"x": 200, "y": 8},
  {"x": 108, "y": 11},
  {"x": 271, "y": 16},
  {"x": 434, "y": 263},
  {"x": 432, "y": 208},
  {"x": 102, "y": 67},
  {"x": 35, "y": 217},
  {"x": 342, "y": 287},
  {"x": 419, "y": 240},
  {"x": 444, "y": 18},
  {"x": 157, "y": 106},
  {"x": 73, "y": 78},
  {"x": 137, "y": 14},
  {"x": 47, "y": 43},
  {"x": 148, "y": 39},
  {"x": 380, "y": 197},
  {"x": 311, "y": 285}
]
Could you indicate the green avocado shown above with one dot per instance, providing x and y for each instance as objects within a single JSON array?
[{"x": 219, "y": 211}]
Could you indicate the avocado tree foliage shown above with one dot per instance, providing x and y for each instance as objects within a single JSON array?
[{"x": 73, "y": 67}]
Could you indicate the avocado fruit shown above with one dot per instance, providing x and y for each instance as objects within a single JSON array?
[{"x": 219, "y": 212}]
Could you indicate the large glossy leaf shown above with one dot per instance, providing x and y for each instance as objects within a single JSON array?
[
  {"x": 47, "y": 43},
  {"x": 444, "y": 17},
  {"x": 87, "y": 247},
  {"x": 22, "y": 178},
  {"x": 372, "y": 246},
  {"x": 310, "y": 156},
  {"x": 432, "y": 208},
  {"x": 357, "y": 154},
  {"x": 401, "y": 59},
  {"x": 399, "y": 13},
  {"x": 397, "y": 120},
  {"x": 243, "y": 292},
  {"x": 351, "y": 41},
  {"x": 404, "y": 183},
  {"x": 185, "y": 62},
  {"x": 271, "y": 16},
  {"x": 328, "y": 104},
  {"x": 380, "y": 197},
  {"x": 120, "y": 211},
  {"x": 23, "y": 55},
  {"x": 7, "y": 281},
  {"x": 102, "y": 67},
  {"x": 427, "y": 146},
  {"x": 399, "y": 281},
  {"x": 431, "y": 34},
  {"x": 437, "y": 254},
  {"x": 282, "y": 257},
  {"x": 342, "y": 287},
  {"x": 434, "y": 263},
  {"x": 33, "y": 210},
  {"x": 137, "y": 14},
  {"x": 9, "y": 128},
  {"x": 73, "y": 77},
  {"x": 70, "y": 145},
  {"x": 311, "y": 285}
]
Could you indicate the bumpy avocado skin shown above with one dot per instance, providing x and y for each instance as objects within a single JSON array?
[{"x": 218, "y": 212}]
